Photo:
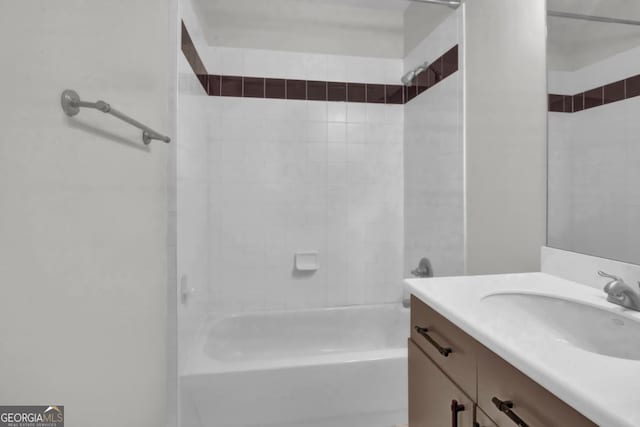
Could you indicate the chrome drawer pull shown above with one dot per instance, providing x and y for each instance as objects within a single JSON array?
[
  {"x": 445, "y": 351},
  {"x": 505, "y": 407}
]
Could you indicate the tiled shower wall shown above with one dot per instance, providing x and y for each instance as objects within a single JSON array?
[
  {"x": 297, "y": 175},
  {"x": 433, "y": 162},
  {"x": 288, "y": 176},
  {"x": 593, "y": 172}
]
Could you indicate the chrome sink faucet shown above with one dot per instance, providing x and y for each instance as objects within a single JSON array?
[{"x": 618, "y": 292}]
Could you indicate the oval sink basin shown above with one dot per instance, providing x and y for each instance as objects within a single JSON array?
[{"x": 571, "y": 322}]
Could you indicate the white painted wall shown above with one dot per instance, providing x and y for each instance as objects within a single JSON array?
[
  {"x": 621, "y": 66},
  {"x": 420, "y": 20},
  {"x": 575, "y": 44},
  {"x": 505, "y": 155},
  {"x": 83, "y": 254},
  {"x": 301, "y": 65},
  {"x": 594, "y": 198},
  {"x": 434, "y": 161}
]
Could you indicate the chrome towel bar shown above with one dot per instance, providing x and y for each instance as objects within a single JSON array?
[{"x": 71, "y": 105}]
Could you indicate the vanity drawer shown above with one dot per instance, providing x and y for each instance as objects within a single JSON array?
[
  {"x": 447, "y": 345},
  {"x": 499, "y": 382}
]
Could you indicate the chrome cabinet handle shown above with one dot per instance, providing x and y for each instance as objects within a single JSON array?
[
  {"x": 445, "y": 351},
  {"x": 455, "y": 409},
  {"x": 505, "y": 407}
]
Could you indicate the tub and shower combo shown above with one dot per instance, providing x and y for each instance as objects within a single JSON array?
[{"x": 333, "y": 367}]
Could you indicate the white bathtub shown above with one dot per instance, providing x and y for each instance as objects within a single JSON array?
[{"x": 338, "y": 367}]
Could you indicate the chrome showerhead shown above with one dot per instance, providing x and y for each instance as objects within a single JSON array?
[{"x": 410, "y": 76}]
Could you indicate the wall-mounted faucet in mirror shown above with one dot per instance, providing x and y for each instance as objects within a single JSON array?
[{"x": 594, "y": 123}]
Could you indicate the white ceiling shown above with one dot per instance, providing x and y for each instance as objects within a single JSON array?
[
  {"x": 574, "y": 44},
  {"x": 376, "y": 27},
  {"x": 393, "y": 5},
  {"x": 349, "y": 27}
]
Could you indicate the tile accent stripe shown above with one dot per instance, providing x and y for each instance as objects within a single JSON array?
[
  {"x": 193, "y": 58},
  {"x": 315, "y": 90},
  {"x": 596, "y": 97}
]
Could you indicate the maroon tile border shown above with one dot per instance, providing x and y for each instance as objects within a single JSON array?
[
  {"x": 578, "y": 102},
  {"x": 253, "y": 87},
  {"x": 336, "y": 91},
  {"x": 556, "y": 103},
  {"x": 376, "y": 94},
  {"x": 193, "y": 58},
  {"x": 614, "y": 92},
  {"x": 596, "y": 97},
  {"x": 274, "y": 88},
  {"x": 632, "y": 85},
  {"x": 314, "y": 90},
  {"x": 215, "y": 85},
  {"x": 450, "y": 62},
  {"x": 296, "y": 89},
  {"x": 356, "y": 92},
  {"x": 592, "y": 98},
  {"x": 394, "y": 94},
  {"x": 231, "y": 86}
]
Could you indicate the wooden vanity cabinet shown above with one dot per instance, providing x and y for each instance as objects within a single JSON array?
[{"x": 447, "y": 365}]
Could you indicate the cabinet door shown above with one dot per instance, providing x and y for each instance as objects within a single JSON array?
[
  {"x": 434, "y": 400},
  {"x": 482, "y": 420}
]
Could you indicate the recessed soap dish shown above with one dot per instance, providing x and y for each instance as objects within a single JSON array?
[{"x": 307, "y": 261}]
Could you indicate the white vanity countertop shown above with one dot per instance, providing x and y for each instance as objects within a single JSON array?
[{"x": 605, "y": 389}]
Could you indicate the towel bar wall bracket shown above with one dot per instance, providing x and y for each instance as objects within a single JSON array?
[{"x": 71, "y": 104}]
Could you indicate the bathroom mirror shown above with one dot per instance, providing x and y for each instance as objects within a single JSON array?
[{"x": 593, "y": 147}]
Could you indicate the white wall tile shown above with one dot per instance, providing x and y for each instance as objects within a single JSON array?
[
  {"x": 357, "y": 112},
  {"x": 284, "y": 194},
  {"x": 337, "y": 111},
  {"x": 317, "y": 111},
  {"x": 376, "y": 113},
  {"x": 356, "y": 133},
  {"x": 433, "y": 161},
  {"x": 337, "y": 132},
  {"x": 336, "y": 152},
  {"x": 593, "y": 180}
]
